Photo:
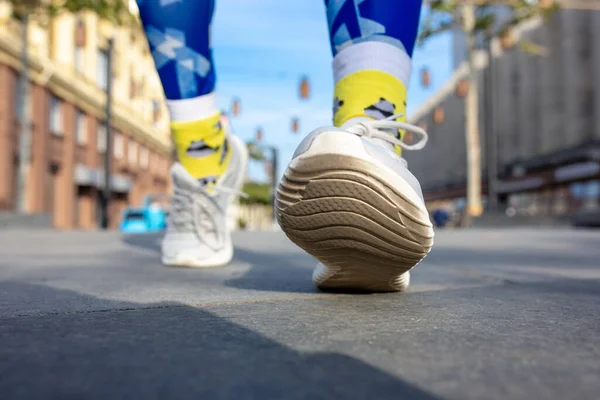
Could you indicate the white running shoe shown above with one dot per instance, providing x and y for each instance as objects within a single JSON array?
[
  {"x": 350, "y": 201},
  {"x": 197, "y": 233}
]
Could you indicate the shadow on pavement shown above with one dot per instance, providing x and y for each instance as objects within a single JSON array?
[
  {"x": 277, "y": 271},
  {"x": 285, "y": 270},
  {"x": 274, "y": 271},
  {"x": 149, "y": 351},
  {"x": 145, "y": 241}
]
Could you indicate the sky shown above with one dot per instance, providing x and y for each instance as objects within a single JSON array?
[{"x": 261, "y": 50}]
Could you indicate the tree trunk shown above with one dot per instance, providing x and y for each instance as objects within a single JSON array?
[{"x": 474, "y": 207}]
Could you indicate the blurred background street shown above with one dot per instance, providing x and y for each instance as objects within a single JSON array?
[{"x": 532, "y": 122}]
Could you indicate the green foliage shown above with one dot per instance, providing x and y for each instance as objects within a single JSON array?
[
  {"x": 116, "y": 11},
  {"x": 255, "y": 151},
  {"x": 447, "y": 15},
  {"x": 258, "y": 193}
]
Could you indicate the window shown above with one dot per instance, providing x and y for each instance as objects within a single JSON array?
[
  {"x": 80, "y": 40},
  {"x": 132, "y": 87},
  {"x": 101, "y": 69},
  {"x": 591, "y": 195},
  {"x": 101, "y": 138},
  {"x": 56, "y": 123},
  {"x": 79, "y": 59},
  {"x": 151, "y": 161},
  {"x": 132, "y": 152},
  {"x": 119, "y": 147},
  {"x": 577, "y": 190},
  {"x": 80, "y": 128},
  {"x": 144, "y": 158},
  {"x": 155, "y": 112}
]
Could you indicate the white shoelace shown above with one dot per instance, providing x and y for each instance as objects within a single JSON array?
[
  {"x": 181, "y": 213},
  {"x": 379, "y": 129},
  {"x": 196, "y": 210}
]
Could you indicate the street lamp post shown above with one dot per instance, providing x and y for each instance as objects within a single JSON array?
[
  {"x": 490, "y": 129},
  {"x": 106, "y": 192},
  {"x": 23, "y": 117},
  {"x": 273, "y": 170}
]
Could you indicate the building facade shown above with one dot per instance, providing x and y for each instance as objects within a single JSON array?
[
  {"x": 547, "y": 120},
  {"x": 67, "y": 100}
]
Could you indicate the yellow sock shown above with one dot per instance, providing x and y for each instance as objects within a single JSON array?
[
  {"x": 202, "y": 147},
  {"x": 369, "y": 93}
]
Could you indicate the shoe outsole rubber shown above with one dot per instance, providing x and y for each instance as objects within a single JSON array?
[
  {"x": 352, "y": 215},
  {"x": 218, "y": 260}
]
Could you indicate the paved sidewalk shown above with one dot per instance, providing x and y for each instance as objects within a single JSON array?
[{"x": 492, "y": 314}]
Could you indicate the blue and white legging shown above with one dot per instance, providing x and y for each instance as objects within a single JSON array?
[{"x": 178, "y": 34}]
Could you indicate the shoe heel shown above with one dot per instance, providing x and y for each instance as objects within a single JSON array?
[{"x": 353, "y": 218}]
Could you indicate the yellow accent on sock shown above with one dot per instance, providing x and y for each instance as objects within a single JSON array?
[
  {"x": 201, "y": 147},
  {"x": 370, "y": 93}
]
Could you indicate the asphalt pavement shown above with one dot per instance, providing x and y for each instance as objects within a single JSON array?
[{"x": 491, "y": 314}]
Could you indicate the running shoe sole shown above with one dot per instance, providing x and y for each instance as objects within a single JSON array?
[{"x": 355, "y": 217}]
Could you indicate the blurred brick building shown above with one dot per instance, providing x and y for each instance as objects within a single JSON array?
[
  {"x": 68, "y": 65},
  {"x": 547, "y": 121}
]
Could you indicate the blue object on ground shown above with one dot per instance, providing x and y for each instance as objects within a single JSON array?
[
  {"x": 146, "y": 219},
  {"x": 440, "y": 217}
]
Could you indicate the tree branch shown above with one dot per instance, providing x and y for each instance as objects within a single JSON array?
[{"x": 428, "y": 32}]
